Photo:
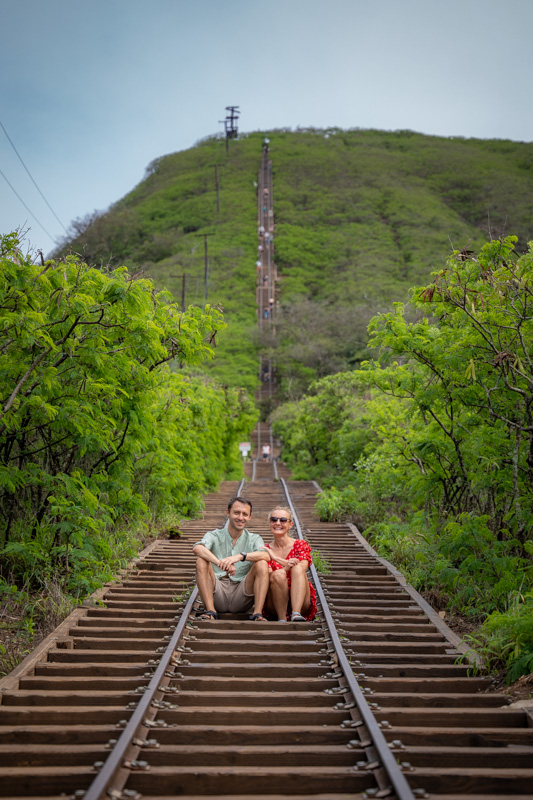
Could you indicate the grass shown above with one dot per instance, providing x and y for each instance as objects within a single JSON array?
[{"x": 27, "y": 617}]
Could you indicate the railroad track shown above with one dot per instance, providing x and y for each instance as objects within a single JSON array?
[
  {"x": 266, "y": 273},
  {"x": 133, "y": 696},
  {"x": 240, "y": 709},
  {"x": 453, "y": 736}
]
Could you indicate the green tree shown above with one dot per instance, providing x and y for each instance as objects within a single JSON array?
[
  {"x": 467, "y": 376},
  {"x": 96, "y": 431}
]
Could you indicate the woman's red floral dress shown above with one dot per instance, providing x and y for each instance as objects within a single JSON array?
[{"x": 302, "y": 551}]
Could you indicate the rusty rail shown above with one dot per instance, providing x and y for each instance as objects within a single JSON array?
[{"x": 372, "y": 739}]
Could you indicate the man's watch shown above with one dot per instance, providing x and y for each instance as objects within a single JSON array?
[{"x": 244, "y": 556}]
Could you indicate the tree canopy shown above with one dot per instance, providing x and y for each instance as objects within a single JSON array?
[{"x": 104, "y": 424}]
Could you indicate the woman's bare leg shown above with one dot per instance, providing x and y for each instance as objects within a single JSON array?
[
  {"x": 300, "y": 592},
  {"x": 279, "y": 592}
]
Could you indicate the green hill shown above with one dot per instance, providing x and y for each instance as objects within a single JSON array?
[{"x": 361, "y": 216}]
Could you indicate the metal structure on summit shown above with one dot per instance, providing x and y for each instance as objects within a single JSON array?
[
  {"x": 230, "y": 123},
  {"x": 231, "y": 119}
]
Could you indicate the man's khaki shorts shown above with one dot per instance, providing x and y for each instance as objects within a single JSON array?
[{"x": 230, "y": 596}]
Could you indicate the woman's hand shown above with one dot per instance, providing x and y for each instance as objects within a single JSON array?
[{"x": 291, "y": 562}]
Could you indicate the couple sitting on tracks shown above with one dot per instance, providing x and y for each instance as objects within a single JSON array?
[{"x": 236, "y": 572}]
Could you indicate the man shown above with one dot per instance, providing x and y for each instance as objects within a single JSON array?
[{"x": 232, "y": 566}]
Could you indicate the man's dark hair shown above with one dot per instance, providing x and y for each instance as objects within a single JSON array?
[{"x": 239, "y": 500}]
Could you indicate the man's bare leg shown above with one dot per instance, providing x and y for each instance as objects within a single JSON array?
[
  {"x": 257, "y": 584},
  {"x": 205, "y": 580}
]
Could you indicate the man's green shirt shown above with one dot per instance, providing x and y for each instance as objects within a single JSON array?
[{"x": 220, "y": 543}]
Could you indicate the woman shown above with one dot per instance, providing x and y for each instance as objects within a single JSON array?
[{"x": 290, "y": 594}]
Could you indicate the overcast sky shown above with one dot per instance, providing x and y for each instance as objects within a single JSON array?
[{"x": 93, "y": 90}]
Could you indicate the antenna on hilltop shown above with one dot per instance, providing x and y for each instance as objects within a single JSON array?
[
  {"x": 232, "y": 118},
  {"x": 230, "y": 123}
]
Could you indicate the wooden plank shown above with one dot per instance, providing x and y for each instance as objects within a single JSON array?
[
  {"x": 32, "y": 781},
  {"x": 489, "y": 736},
  {"x": 440, "y": 700},
  {"x": 218, "y": 780},
  {"x": 474, "y": 779},
  {"x": 67, "y": 682},
  {"x": 234, "y": 755},
  {"x": 62, "y": 715},
  {"x": 10, "y": 681},
  {"x": 427, "y": 684},
  {"x": 56, "y": 734},
  {"x": 509, "y": 757},
  {"x": 470, "y": 717},
  {"x": 56, "y": 698},
  {"x": 258, "y": 715},
  {"x": 85, "y": 667},
  {"x": 246, "y": 734},
  {"x": 252, "y": 699},
  {"x": 52, "y": 755}
]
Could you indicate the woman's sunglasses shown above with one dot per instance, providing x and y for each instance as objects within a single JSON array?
[{"x": 279, "y": 519}]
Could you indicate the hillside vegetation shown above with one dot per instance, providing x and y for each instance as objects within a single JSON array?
[{"x": 361, "y": 217}]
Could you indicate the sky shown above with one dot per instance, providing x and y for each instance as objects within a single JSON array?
[{"x": 92, "y": 91}]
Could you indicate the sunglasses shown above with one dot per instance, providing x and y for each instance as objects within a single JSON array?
[{"x": 279, "y": 519}]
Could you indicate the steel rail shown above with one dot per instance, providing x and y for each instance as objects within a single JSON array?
[
  {"x": 260, "y": 203},
  {"x": 102, "y": 782},
  {"x": 388, "y": 761}
]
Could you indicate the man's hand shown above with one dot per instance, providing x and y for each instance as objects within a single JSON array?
[{"x": 228, "y": 564}]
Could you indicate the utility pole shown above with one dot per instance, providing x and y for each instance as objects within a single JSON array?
[
  {"x": 205, "y": 235},
  {"x": 182, "y": 288},
  {"x": 225, "y": 123},
  {"x": 218, "y": 188}
]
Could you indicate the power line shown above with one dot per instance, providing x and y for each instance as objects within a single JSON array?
[
  {"x": 26, "y": 207},
  {"x": 31, "y": 177}
]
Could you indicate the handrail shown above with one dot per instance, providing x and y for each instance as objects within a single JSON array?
[{"x": 399, "y": 783}]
